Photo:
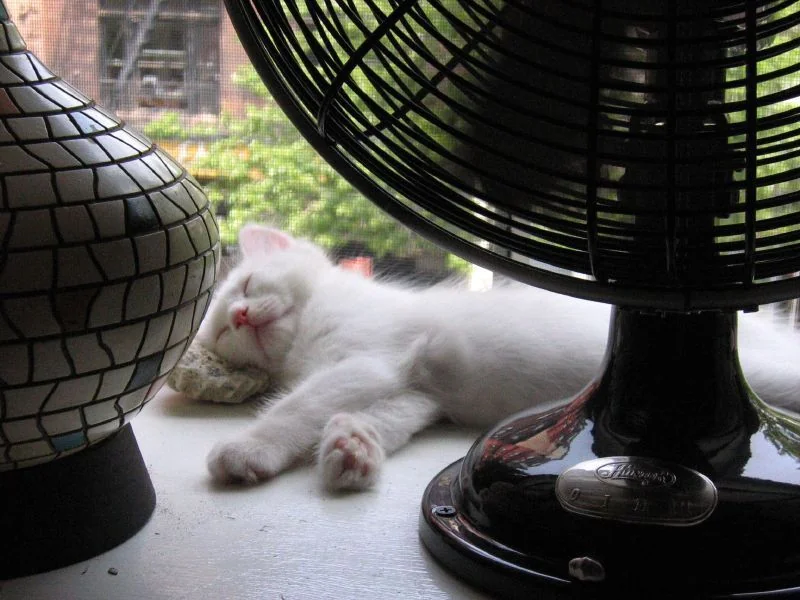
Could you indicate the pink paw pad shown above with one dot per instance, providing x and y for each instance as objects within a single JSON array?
[
  {"x": 350, "y": 454},
  {"x": 350, "y": 459}
]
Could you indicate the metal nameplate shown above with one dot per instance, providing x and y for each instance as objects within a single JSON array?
[{"x": 637, "y": 489}]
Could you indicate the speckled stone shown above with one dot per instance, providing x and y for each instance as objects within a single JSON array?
[{"x": 202, "y": 375}]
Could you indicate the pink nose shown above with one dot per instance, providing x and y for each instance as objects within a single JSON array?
[{"x": 240, "y": 317}]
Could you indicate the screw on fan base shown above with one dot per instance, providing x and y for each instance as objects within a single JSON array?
[{"x": 674, "y": 415}]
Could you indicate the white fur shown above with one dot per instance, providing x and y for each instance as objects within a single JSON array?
[{"x": 364, "y": 365}]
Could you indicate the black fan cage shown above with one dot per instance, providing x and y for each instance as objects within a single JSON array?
[{"x": 641, "y": 153}]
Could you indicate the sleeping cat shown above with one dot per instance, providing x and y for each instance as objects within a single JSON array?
[{"x": 363, "y": 365}]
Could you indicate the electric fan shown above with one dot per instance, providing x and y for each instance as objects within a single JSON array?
[{"x": 644, "y": 154}]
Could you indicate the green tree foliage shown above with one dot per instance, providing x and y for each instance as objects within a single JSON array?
[
  {"x": 777, "y": 163},
  {"x": 259, "y": 168}
]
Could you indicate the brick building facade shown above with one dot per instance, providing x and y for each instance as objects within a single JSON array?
[{"x": 172, "y": 54}]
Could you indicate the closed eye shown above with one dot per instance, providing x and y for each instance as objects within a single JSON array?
[{"x": 244, "y": 288}]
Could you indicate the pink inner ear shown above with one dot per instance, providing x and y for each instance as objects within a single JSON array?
[{"x": 255, "y": 239}]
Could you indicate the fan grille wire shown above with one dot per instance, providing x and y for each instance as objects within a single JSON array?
[{"x": 645, "y": 154}]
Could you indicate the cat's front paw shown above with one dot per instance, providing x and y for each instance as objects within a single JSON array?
[
  {"x": 242, "y": 461},
  {"x": 350, "y": 453}
]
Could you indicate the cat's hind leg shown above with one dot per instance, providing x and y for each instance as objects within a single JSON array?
[{"x": 354, "y": 445}]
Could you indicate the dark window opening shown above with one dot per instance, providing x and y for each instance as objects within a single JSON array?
[{"x": 160, "y": 54}]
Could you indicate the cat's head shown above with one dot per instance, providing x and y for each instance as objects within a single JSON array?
[{"x": 253, "y": 316}]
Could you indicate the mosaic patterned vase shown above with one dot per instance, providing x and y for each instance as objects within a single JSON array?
[{"x": 108, "y": 254}]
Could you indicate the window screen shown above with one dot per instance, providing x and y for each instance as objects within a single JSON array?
[{"x": 174, "y": 69}]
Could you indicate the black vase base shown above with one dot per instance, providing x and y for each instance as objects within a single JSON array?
[
  {"x": 73, "y": 508},
  {"x": 495, "y": 519}
]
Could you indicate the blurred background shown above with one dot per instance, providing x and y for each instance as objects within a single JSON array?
[{"x": 175, "y": 70}]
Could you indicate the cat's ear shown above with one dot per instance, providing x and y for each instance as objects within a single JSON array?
[{"x": 257, "y": 239}]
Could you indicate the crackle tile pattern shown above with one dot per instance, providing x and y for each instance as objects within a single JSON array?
[{"x": 108, "y": 254}]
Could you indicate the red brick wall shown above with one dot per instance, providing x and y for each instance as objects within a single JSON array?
[
  {"x": 64, "y": 34},
  {"x": 232, "y": 56}
]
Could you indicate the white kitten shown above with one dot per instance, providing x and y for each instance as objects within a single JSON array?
[{"x": 366, "y": 365}]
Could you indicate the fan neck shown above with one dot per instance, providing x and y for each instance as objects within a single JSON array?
[{"x": 672, "y": 385}]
